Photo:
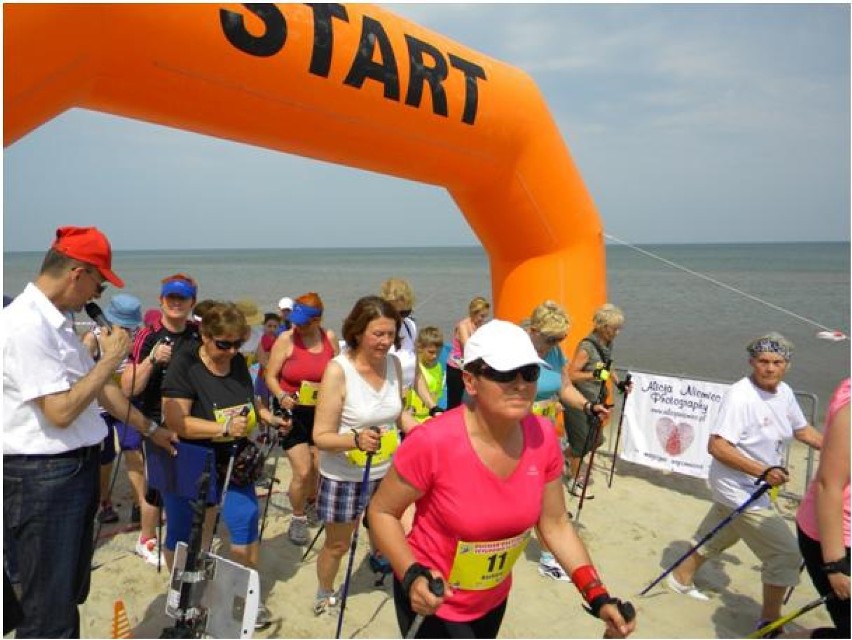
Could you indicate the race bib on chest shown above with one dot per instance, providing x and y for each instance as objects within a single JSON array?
[
  {"x": 478, "y": 566},
  {"x": 388, "y": 445},
  {"x": 308, "y": 392}
]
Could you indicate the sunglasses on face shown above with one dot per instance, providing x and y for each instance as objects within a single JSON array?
[
  {"x": 227, "y": 345},
  {"x": 553, "y": 340},
  {"x": 405, "y": 313},
  {"x": 529, "y": 372},
  {"x": 100, "y": 286}
]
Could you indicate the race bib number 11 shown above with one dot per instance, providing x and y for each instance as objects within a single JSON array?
[{"x": 483, "y": 565}]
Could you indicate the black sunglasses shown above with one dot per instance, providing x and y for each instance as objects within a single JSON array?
[
  {"x": 225, "y": 345},
  {"x": 553, "y": 340},
  {"x": 100, "y": 286},
  {"x": 529, "y": 372},
  {"x": 405, "y": 313}
]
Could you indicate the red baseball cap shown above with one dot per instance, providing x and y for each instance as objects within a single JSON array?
[{"x": 88, "y": 245}]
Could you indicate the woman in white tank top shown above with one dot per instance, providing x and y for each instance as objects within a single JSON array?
[{"x": 359, "y": 412}]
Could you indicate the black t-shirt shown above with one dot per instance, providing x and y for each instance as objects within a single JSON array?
[
  {"x": 213, "y": 397},
  {"x": 149, "y": 401}
]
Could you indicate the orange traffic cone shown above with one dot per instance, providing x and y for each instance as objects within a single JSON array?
[{"x": 120, "y": 623}]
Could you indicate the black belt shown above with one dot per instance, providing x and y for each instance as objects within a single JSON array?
[{"x": 82, "y": 452}]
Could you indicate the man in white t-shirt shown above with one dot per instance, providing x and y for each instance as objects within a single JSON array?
[{"x": 758, "y": 416}]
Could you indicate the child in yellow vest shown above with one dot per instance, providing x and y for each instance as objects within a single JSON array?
[{"x": 430, "y": 341}]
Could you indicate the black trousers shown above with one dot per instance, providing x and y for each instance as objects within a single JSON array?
[
  {"x": 837, "y": 609},
  {"x": 434, "y": 627}
]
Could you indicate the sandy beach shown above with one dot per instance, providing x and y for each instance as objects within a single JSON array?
[{"x": 634, "y": 530}]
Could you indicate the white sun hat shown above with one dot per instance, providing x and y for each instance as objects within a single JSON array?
[{"x": 502, "y": 345}]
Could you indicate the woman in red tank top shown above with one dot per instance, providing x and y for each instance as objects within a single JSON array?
[{"x": 293, "y": 373}]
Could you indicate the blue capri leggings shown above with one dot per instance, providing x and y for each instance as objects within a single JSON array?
[{"x": 240, "y": 515}]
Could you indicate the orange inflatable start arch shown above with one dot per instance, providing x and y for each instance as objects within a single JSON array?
[{"x": 349, "y": 84}]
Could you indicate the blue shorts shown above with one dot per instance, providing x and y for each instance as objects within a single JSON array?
[
  {"x": 339, "y": 500},
  {"x": 129, "y": 439},
  {"x": 240, "y": 514}
]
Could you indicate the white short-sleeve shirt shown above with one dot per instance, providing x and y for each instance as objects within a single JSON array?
[
  {"x": 42, "y": 355},
  {"x": 758, "y": 423}
]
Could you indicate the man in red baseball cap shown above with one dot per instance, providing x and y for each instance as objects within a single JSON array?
[{"x": 52, "y": 429}]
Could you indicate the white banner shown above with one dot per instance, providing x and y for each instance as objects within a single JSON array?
[{"x": 667, "y": 423}]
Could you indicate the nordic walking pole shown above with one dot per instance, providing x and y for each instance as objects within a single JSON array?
[
  {"x": 272, "y": 482},
  {"x": 601, "y": 373},
  {"x": 362, "y": 499},
  {"x": 228, "y": 473},
  {"x": 436, "y": 586},
  {"x": 791, "y": 589},
  {"x": 780, "y": 622},
  {"x": 761, "y": 489},
  {"x": 314, "y": 541},
  {"x": 273, "y": 441},
  {"x": 224, "y": 494},
  {"x": 625, "y": 386},
  {"x": 594, "y": 433}
]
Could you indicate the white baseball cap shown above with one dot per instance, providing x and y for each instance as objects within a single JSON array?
[
  {"x": 285, "y": 303},
  {"x": 502, "y": 345}
]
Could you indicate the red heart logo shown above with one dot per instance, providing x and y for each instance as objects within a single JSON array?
[{"x": 674, "y": 438}]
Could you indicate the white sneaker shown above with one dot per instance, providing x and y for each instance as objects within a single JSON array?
[
  {"x": 685, "y": 590},
  {"x": 148, "y": 551},
  {"x": 553, "y": 571}
]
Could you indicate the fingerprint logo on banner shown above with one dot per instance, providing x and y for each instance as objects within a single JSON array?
[{"x": 674, "y": 437}]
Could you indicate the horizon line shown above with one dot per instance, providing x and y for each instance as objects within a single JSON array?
[{"x": 448, "y": 246}]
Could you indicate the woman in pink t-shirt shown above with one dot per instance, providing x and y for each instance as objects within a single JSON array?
[
  {"x": 823, "y": 517},
  {"x": 482, "y": 476}
]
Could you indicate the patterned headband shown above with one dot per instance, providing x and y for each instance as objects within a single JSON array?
[{"x": 768, "y": 345}]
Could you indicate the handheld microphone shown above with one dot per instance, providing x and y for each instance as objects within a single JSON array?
[{"x": 95, "y": 313}]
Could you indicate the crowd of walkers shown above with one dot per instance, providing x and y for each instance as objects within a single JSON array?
[{"x": 369, "y": 442}]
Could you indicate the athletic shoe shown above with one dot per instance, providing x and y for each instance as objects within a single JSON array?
[
  {"x": 298, "y": 531},
  {"x": 685, "y": 590},
  {"x": 148, "y": 550},
  {"x": 135, "y": 514},
  {"x": 327, "y": 603},
  {"x": 578, "y": 490},
  {"x": 107, "y": 514},
  {"x": 775, "y": 633},
  {"x": 264, "y": 618},
  {"x": 311, "y": 513},
  {"x": 553, "y": 571}
]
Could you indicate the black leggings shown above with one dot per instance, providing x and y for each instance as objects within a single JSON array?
[
  {"x": 837, "y": 609},
  {"x": 455, "y": 387},
  {"x": 434, "y": 627}
]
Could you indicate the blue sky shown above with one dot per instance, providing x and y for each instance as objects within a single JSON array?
[{"x": 689, "y": 123}]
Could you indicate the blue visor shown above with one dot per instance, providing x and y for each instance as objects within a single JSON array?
[
  {"x": 178, "y": 288},
  {"x": 303, "y": 314}
]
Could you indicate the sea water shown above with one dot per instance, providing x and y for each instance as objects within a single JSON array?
[{"x": 677, "y": 322}]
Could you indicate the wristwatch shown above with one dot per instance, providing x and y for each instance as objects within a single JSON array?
[
  {"x": 152, "y": 427},
  {"x": 416, "y": 570}
]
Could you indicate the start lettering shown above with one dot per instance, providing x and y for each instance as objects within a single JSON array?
[{"x": 374, "y": 60}]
